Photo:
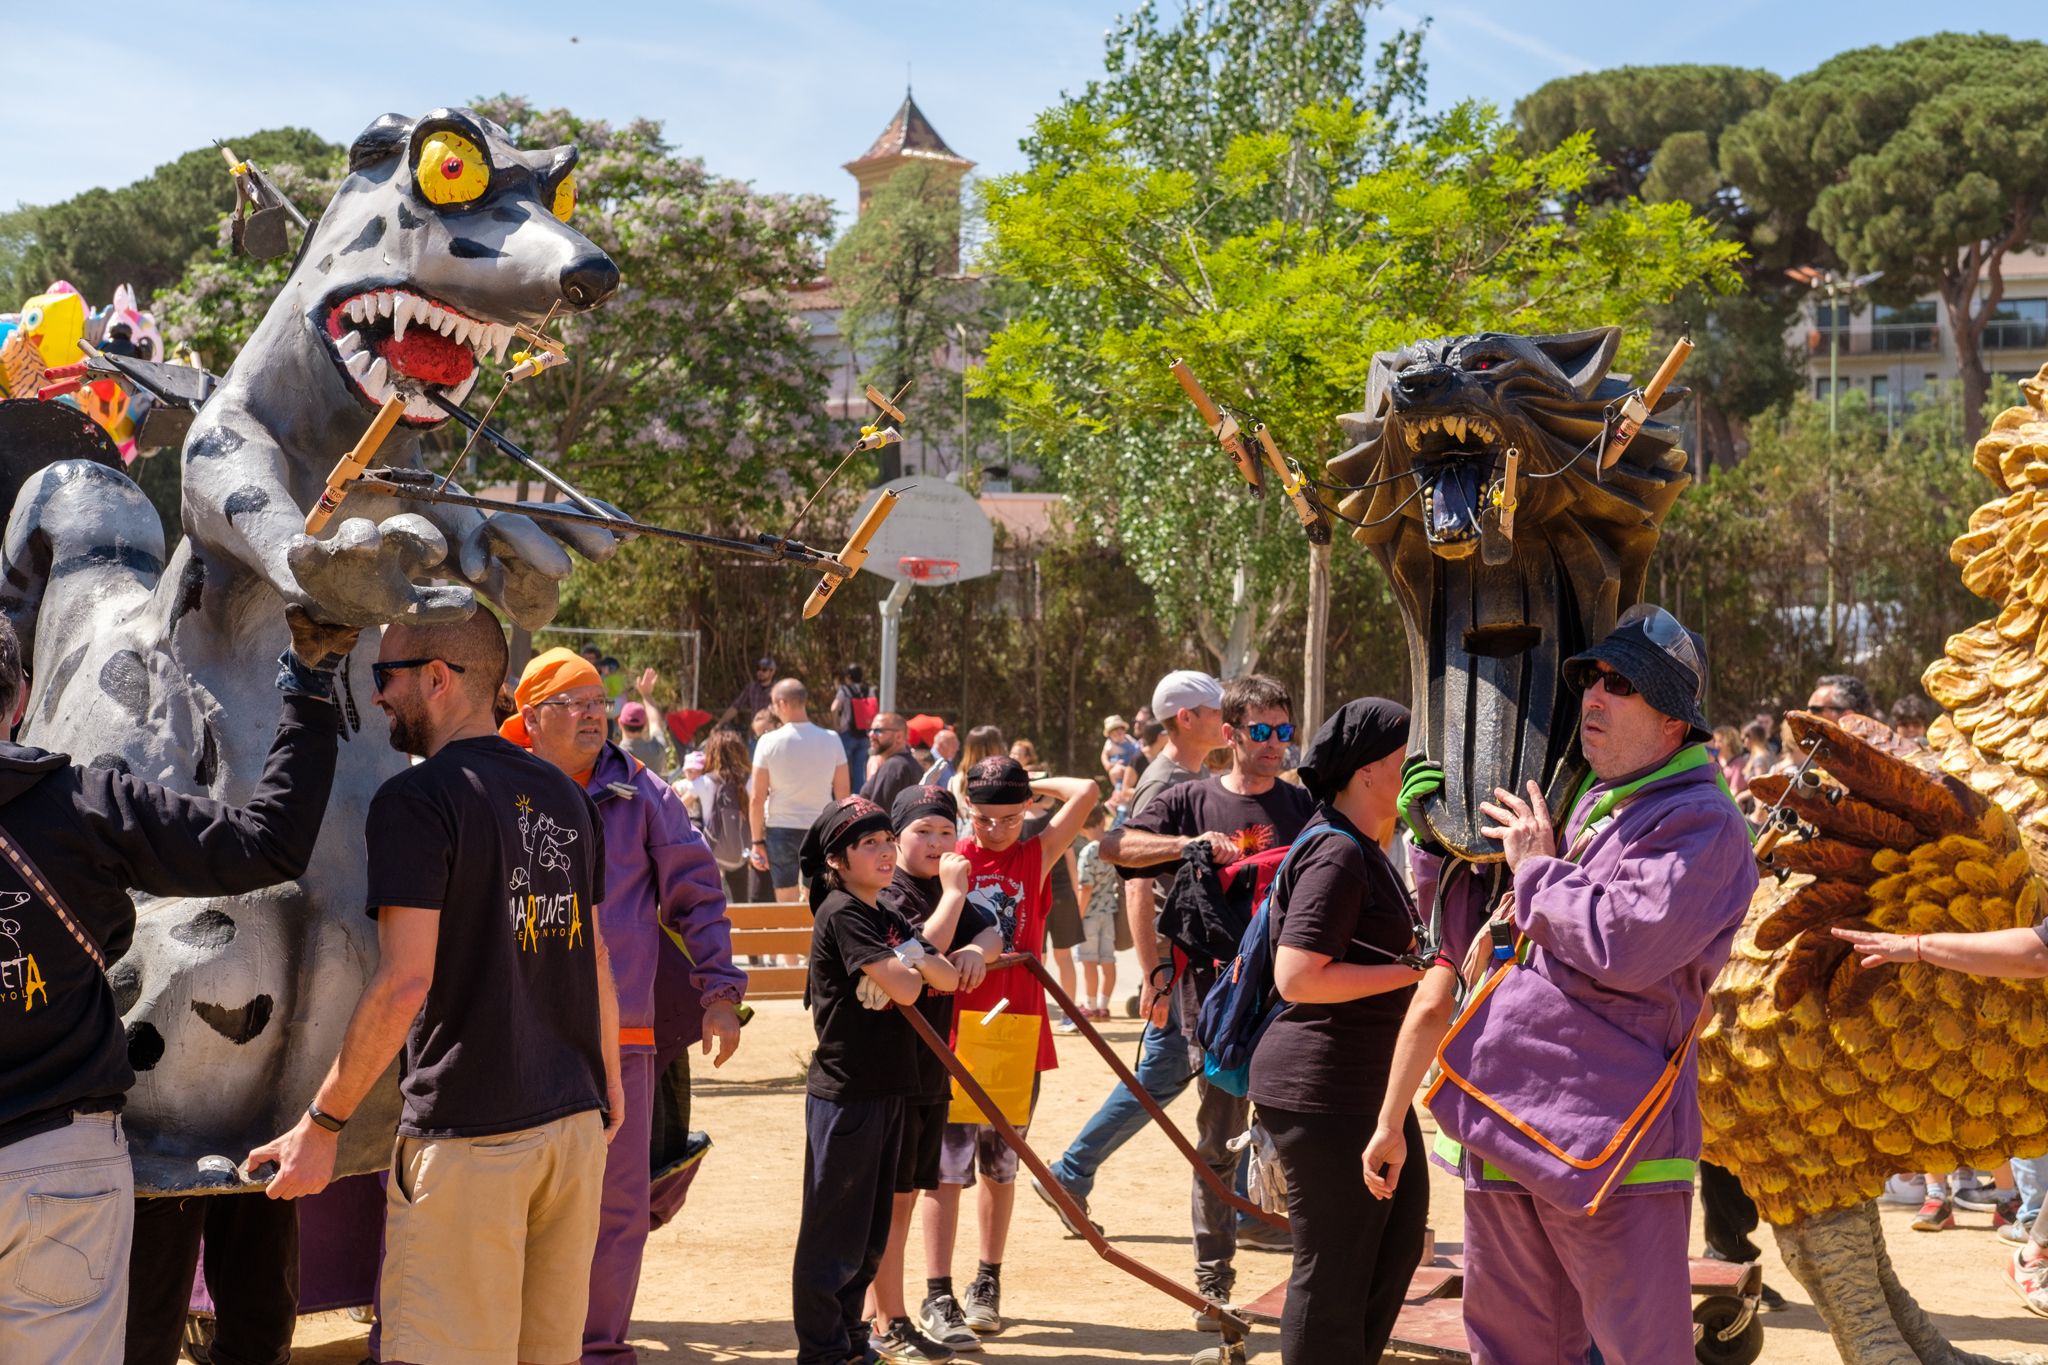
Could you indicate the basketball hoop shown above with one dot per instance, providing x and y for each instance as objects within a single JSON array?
[{"x": 918, "y": 569}]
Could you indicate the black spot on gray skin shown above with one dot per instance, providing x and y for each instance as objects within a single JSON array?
[
  {"x": 191, "y": 589},
  {"x": 145, "y": 1046},
  {"x": 236, "y": 1025},
  {"x": 132, "y": 557},
  {"x": 125, "y": 980},
  {"x": 125, "y": 678},
  {"x": 64, "y": 670},
  {"x": 207, "y": 929},
  {"x": 465, "y": 249},
  {"x": 372, "y": 233},
  {"x": 219, "y": 441},
  {"x": 326, "y": 263},
  {"x": 508, "y": 215},
  {"x": 204, "y": 771},
  {"x": 111, "y": 762},
  {"x": 407, "y": 219},
  {"x": 244, "y": 500}
]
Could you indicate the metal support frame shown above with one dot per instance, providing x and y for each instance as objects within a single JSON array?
[{"x": 892, "y": 629}]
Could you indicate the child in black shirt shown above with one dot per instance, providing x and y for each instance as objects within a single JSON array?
[{"x": 863, "y": 959}]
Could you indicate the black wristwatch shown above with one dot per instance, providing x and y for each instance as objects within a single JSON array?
[
  {"x": 760, "y": 843},
  {"x": 325, "y": 1120}
]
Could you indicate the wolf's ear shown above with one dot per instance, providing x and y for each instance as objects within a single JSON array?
[
  {"x": 1584, "y": 357},
  {"x": 382, "y": 139}
]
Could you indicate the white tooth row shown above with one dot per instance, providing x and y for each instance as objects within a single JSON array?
[
  {"x": 1457, "y": 428},
  {"x": 374, "y": 376},
  {"x": 410, "y": 310}
]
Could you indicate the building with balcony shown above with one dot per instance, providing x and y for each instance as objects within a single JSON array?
[{"x": 1892, "y": 353}]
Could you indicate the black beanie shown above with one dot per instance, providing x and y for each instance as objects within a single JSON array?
[
  {"x": 1361, "y": 731},
  {"x": 842, "y": 823},
  {"x": 998, "y": 781}
]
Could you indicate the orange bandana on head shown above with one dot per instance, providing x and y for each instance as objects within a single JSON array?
[{"x": 556, "y": 670}]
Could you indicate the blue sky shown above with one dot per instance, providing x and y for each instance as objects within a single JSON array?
[{"x": 779, "y": 92}]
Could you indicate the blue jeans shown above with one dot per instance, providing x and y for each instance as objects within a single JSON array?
[
  {"x": 1164, "y": 1070},
  {"x": 2029, "y": 1174},
  {"x": 856, "y": 746}
]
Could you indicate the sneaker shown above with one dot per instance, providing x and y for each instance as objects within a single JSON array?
[
  {"x": 1260, "y": 1235},
  {"x": 2017, "y": 1231},
  {"x": 2005, "y": 1213},
  {"x": 942, "y": 1321},
  {"x": 1216, "y": 1288},
  {"x": 1065, "y": 1025},
  {"x": 1936, "y": 1215},
  {"x": 1769, "y": 1300},
  {"x": 1065, "y": 1222},
  {"x": 984, "y": 1306},
  {"x": 2029, "y": 1280},
  {"x": 903, "y": 1344},
  {"x": 1909, "y": 1190},
  {"x": 1984, "y": 1198}
]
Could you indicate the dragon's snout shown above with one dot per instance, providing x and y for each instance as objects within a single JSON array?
[{"x": 589, "y": 280}]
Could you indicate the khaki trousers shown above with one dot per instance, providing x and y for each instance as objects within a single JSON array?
[{"x": 67, "y": 1214}]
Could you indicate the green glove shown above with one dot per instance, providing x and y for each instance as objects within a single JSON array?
[{"x": 1420, "y": 780}]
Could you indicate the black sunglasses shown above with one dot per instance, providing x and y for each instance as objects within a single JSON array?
[
  {"x": 1615, "y": 683},
  {"x": 380, "y": 673},
  {"x": 1260, "y": 732}
]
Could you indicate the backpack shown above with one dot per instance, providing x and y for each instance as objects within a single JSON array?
[
  {"x": 862, "y": 705},
  {"x": 725, "y": 825},
  {"x": 1242, "y": 1005},
  {"x": 1206, "y": 910}
]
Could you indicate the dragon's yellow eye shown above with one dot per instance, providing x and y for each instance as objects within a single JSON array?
[
  {"x": 565, "y": 198},
  {"x": 452, "y": 169}
]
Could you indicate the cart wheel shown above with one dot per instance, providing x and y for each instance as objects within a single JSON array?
[
  {"x": 199, "y": 1338},
  {"x": 1232, "y": 1354},
  {"x": 1715, "y": 1316},
  {"x": 1131, "y": 1007}
]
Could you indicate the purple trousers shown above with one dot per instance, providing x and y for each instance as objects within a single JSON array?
[
  {"x": 622, "y": 1221},
  {"x": 1542, "y": 1285}
]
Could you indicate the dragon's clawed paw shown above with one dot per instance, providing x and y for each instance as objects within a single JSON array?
[{"x": 363, "y": 574}]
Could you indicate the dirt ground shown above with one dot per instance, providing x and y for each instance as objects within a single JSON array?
[{"x": 716, "y": 1284}]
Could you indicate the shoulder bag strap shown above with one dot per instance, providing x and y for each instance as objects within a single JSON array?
[{"x": 38, "y": 883}]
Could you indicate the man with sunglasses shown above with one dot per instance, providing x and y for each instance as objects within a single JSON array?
[
  {"x": 895, "y": 768},
  {"x": 494, "y": 990},
  {"x": 1240, "y": 813},
  {"x": 660, "y": 879},
  {"x": 1624, "y": 915},
  {"x": 1839, "y": 694}
]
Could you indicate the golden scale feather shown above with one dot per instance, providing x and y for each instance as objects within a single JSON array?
[{"x": 1818, "y": 1077}]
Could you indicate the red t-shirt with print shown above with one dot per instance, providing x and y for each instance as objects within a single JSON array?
[{"x": 1010, "y": 887}]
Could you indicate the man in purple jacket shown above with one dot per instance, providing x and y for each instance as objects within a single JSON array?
[
  {"x": 659, "y": 878},
  {"x": 1628, "y": 917}
]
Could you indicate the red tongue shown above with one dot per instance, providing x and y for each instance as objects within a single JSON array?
[{"x": 424, "y": 354}]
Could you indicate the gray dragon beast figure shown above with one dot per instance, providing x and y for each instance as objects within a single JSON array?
[{"x": 440, "y": 238}]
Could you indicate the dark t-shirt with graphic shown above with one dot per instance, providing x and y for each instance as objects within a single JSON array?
[
  {"x": 862, "y": 1054},
  {"x": 509, "y": 851},
  {"x": 916, "y": 898},
  {"x": 1255, "y": 823}
]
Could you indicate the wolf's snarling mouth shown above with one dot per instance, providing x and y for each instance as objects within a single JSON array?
[
  {"x": 388, "y": 336},
  {"x": 1455, "y": 455}
]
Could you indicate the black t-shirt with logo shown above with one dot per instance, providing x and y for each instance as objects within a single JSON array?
[
  {"x": 1343, "y": 900},
  {"x": 508, "y": 849},
  {"x": 1255, "y": 823},
  {"x": 916, "y": 898},
  {"x": 862, "y": 1054}
]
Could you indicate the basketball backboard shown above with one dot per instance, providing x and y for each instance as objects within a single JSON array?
[{"x": 933, "y": 520}]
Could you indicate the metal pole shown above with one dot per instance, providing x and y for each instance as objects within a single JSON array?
[
  {"x": 1834, "y": 403},
  {"x": 892, "y": 621}
]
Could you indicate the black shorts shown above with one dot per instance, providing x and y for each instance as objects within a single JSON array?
[{"x": 917, "y": 1160}]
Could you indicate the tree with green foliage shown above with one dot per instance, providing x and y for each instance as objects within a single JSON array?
[
  {"x": 897, "y": 271},
  {"x": 1275, "y": 260},
  {"x": 1927, "y": 161},
  {"x": 145, "y": 233},
  {"x": 1657, "y": 133}
]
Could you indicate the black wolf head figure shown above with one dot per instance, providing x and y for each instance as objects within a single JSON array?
[{"x": 1491, "y": 619}]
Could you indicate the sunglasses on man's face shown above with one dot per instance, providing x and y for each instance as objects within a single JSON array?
[
  {"x": 1615, "y": 683},
  {"x": 380, "y": 673},
  {"x": 1260, "y": 732}
]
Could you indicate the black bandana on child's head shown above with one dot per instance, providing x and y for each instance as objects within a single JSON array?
[
  {"x": 912, "y": 804},
  {"x": 998, "y": 781},
  {"x": 838, "y": 827}
]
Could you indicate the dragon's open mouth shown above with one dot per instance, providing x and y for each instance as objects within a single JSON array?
[
  {"x": 1455, "y": 455},
  {"x": 381, "y": 337}
]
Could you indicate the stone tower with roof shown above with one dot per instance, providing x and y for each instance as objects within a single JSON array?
[{"x": 909, "y": 140}]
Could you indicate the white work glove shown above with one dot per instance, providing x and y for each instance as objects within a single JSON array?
[{"x": 871, "y": 994}]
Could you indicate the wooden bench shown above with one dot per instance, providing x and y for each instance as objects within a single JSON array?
[{"x": 768, "y": 930}]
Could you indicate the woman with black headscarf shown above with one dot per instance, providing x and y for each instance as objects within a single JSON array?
[{"x": 1340, "y": 917}]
